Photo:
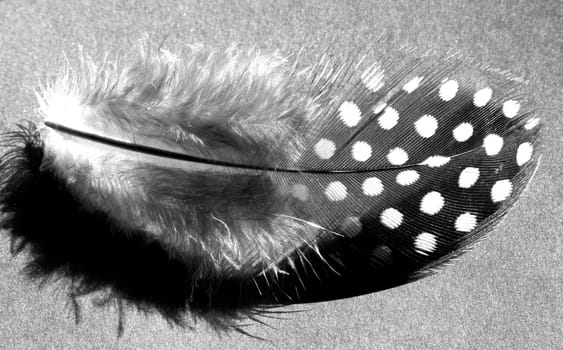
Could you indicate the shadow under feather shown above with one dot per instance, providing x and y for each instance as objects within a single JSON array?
[{"x": 66, "y": 242}]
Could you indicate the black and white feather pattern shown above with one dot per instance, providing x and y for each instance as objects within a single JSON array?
[{"x": 220, "y": 183}]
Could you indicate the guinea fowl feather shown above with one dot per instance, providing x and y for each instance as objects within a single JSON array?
[{"x": 216, "y": 184}]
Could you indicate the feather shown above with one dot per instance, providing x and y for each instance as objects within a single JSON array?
[{"x": 218, "y": 184}]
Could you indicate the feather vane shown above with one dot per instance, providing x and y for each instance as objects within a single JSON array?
[{"x": 219, "y": 183}]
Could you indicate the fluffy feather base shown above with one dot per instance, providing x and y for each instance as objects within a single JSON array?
[{"x": 66, "y": 241}]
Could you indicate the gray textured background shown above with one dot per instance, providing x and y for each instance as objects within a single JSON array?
[{"x": 505, "y": 294}]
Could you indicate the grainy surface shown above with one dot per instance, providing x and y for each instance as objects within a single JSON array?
[{"x": 505, "y": 294}]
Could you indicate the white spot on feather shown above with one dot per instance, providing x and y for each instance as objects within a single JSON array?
[
  {"x": 432, "y": 203},
  {"x": 482, "y": 97},
  {"x": 412, "y": 85},
  {"x": 468, "y": 177},
  {"x": 532, "y": 123},
  {"x": 466, "y": 222},
  {"x": 463, "y": 132},
  {"x": 501, "y": 190},
  {"x": 524, "y": 153},
  {"x": 372, "y": 186},
  {"x": 361, "y": 151},
  {"x": 351, "y": 226},
  {"x": 300, "y": 192},
  {"x": 426, "y": 126},
  {"x": 510, "y": 108},
  {"x": 373, "y": 78},
  {"x": 391, "y": 218},
  {"x": 436, "y": 161},
  {"x": 349, "y": 113},
  {"x": 425, "y": 243},
  {"x": 448, "y": 90},
  {"x": 493, "y": 144},
  {"x": 388, "y": 119},
  {"x": 379, "y": 107},
  {"x": 407, "y": 177},
  {"x": 381, "y": 256},
  {"x": 336, "y": 191},
  {"x": 397, "y": 156},
  {"x": 325, "y": 148}
]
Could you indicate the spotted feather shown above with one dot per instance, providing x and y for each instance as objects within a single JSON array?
[
  {"x": 410, "y": 184},
  {"x": 219, "y": 184}
]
